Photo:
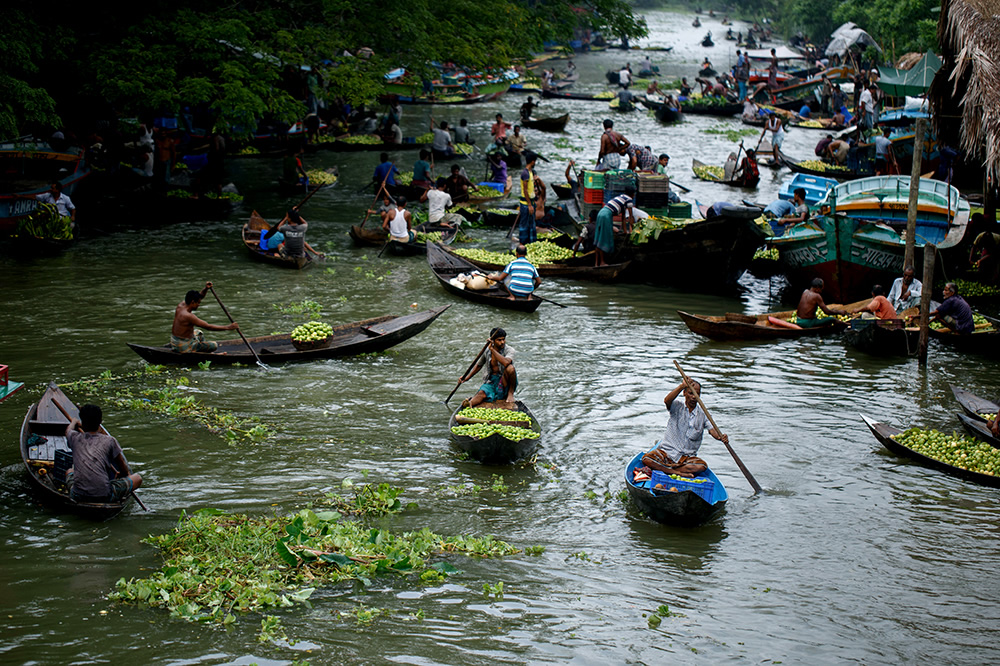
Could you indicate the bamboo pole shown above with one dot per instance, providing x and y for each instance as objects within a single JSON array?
[
  {"x": 925, "y": 301},
  {"x": 911, "y": 211}
]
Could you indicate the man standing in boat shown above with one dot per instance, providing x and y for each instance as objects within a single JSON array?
[
  {"x": 527, "y": 108},
  {"x": 500, "y": 381},
  {"x": 183, "y": 337},
  {"x": 526, "y": 205},
  {"x": 812, "y": 300},
  {"x": 677, "y": 450},
  {"x": 100, "y": 472},
  {"x": 613, "y": 146}
]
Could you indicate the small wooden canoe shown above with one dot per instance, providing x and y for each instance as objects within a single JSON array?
[
  {"x": 289, "y": 188},
  {"x": 496, "y": 449},
  {"x": 377, "y": 237},
  {"x": 977, "y": 428},
  {"x": 556, "y": 94},
  {"x": 251, "y": 241},
  {"x": 796, "y": 167},
  {"x": 985, "y": 339},
  {"x": 973, "y": 405},
  {"x": 46, "y": 460},
  {"x": 883, "y": 337},
  {"x": 883, "y": 433},
  {"x": 447, "y": 266},
  {"x": 732, "y": 326},
  {"x": 576, "y": 268},
  {"x": 562, "y": 190},
  {"x": 697, "y": 165},
  {"x": 684, "y": 508},
  {"x": 557, "y": 124},
  {"x": 360, "y": 337},
  {"x": 666, "y": 114}
]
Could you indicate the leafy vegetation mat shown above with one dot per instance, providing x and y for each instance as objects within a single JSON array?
[{"x": 217, "y": 565}]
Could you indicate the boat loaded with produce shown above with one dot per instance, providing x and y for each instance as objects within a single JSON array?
[
  {"x": 360, "y": 337},
  {"x": 954, "y": 454},
  {"x": 493, "y": 434},
  {"x": 464, "y": 279}
]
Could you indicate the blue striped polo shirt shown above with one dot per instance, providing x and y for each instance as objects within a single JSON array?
[
  {"x": 619, "y": 203},
  {"x": 522, "y": 276}
]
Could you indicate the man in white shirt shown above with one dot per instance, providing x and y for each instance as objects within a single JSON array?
[
  {"x": 437, "y": 203},
  {"x": 866, "y": 108},
  {"x": 677, "y": 451},
  {"x": 61, "y": 201},
  {"x": 625, "y": 77},
  {"x": 905, "y": 292}
]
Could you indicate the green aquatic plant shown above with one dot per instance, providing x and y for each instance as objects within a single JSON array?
[
  {"x": 218, "y": 564},
  {"x": 304, "y": 306}
]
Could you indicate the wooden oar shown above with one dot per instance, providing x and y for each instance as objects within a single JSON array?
[
  {"x": 378, "y": 193},
  {"x": 308, "y": 196},
  {"x": 739, "y": 463},
  {"x": 549, "y": 300},
  {"x": 680, "y": 187},
  {"x": 467, "y": 371},
  {"x": 66, "y": 414},
  {"x": 247, "y": 342}
]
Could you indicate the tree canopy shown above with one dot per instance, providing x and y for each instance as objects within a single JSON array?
[{"x": 240, "y": 59}]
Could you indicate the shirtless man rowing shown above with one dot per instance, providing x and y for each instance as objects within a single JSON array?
[{"x": 183, "y": 337}]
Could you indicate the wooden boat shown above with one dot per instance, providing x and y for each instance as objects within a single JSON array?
[
  {"x": 985, "y": 339},
  {"x": 27, "y": 170},
  {"x": 840, "y": 173},
  {"x": 289, "y": 188},
  {"x": 849, "y": 255},
  {"x": 883, "y": 337},
  {"x": 565, "y": 82},
  {"x": 251, "y": 241},
  {"x": 883, "y": 433},
  {"x": 666, "y": 114},
  {"x": 562, "y": 190},
  {"x": 693, "y": 105},
  {"x": 942, "y": 213},
  {"x": 576, "y": 268},
  {"x": 978, "y": 429},
  {"x": 973, "y": 405},
  {"x": 559, "y": 94},
  {"x": 815, "y": 187},
  {"x": 377, "y": 237},
  {"x": 734, "y": 326},
  {"x": 447, "y": 266},
  {"x": 338, "y": 145},
  {"x": 697, "y": 164},
  {"x": 360, "y": 337},
  {"x": 710, "y": 253},
  {"x": 496, "y": 449},
  {"x": 48, "y": 461},
  {"x": 547, "y": 124},
  {"x": 685, "y": 508},
  {"x": 706, "y": 41}
]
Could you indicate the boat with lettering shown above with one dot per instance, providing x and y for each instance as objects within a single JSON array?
[{"x": 27, "y": 169}]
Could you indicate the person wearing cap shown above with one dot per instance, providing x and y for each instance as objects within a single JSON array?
[
  {"x": 500, "y": 378},
  {"x": 295, "y": 234}
]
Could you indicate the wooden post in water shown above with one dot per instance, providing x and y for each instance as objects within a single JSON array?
[
  {"x": 930, "y": 250},
  {"x": 911, "y": 212}
]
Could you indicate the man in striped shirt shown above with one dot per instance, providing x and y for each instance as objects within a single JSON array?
[{"x": 522, "y": 273}]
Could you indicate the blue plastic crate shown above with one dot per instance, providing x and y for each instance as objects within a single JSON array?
[
  {"x": 496, "y": 186},
  {"x": 704, "y": 490}
]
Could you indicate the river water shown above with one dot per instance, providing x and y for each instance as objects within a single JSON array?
[{"x": 852, "y": 556}]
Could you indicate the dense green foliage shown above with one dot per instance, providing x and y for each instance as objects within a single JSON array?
[{"x": 244, "y": 61}]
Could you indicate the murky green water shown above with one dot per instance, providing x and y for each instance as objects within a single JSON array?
[{"x": 853, "y": 555}]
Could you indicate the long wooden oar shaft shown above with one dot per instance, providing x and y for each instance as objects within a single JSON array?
[
  {"x": 247, "y": 342},
  {"x": 378, "y": 192},
  {"x": 467, "y": 371},
  {"x": 739, "y": 463}
]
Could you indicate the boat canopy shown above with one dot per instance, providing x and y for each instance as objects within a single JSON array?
[{"x": 912, "y": 82}]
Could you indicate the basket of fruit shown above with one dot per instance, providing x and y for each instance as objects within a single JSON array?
[{"x": 314, "y": 335}]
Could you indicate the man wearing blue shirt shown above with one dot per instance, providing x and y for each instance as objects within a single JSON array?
[
  {"x": 522, "y": 273},
  {"x": 385, "y": 171},
  {"x": 954, "y": 312}
]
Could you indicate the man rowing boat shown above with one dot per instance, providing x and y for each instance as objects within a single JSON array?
[
  {"x": 183, "y": 336},
  {"x": 500, "y": 381},
  {"x": 676, "y": 452}
]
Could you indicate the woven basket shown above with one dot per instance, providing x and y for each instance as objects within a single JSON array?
[{"x": 312, "y": 344}]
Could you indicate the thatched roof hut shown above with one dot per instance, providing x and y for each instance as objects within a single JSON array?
[{"x": 968, "y": 84}]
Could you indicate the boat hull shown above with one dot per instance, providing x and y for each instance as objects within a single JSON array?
[
  {"x": 361, "y": 337},
  {"x": 496, "y": 449},
  {"x": 685, "y": 509}
]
